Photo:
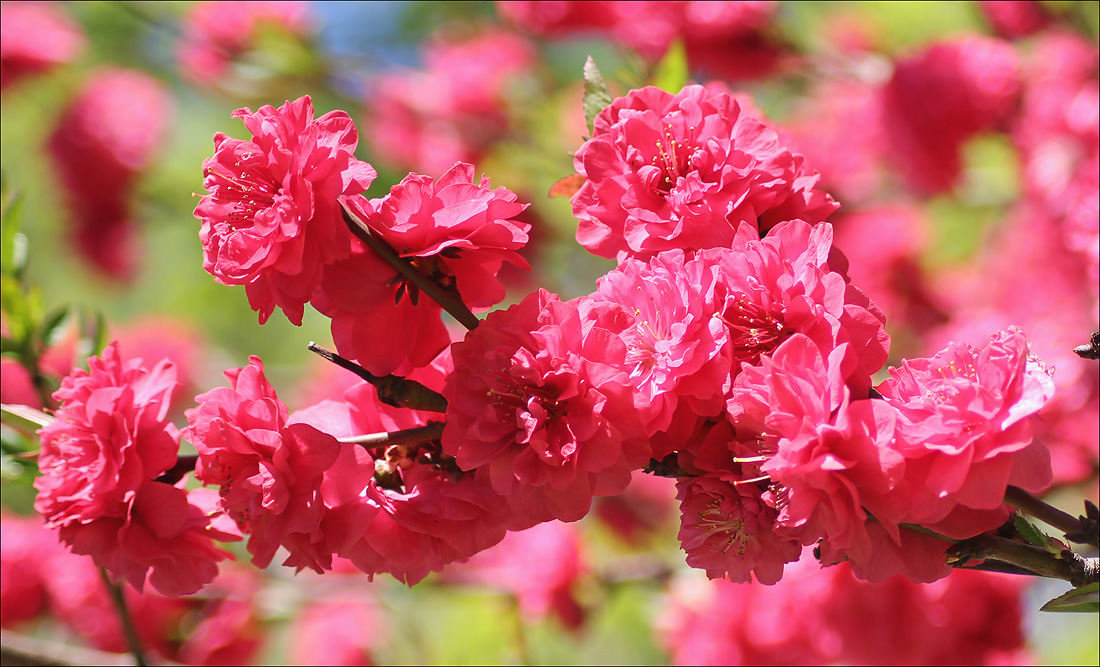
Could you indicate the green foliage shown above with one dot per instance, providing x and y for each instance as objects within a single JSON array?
[
  {"x": 596, "y": 94},
  {"x": 1085, "y": 599},
  {"x": 672, "y": 73}
]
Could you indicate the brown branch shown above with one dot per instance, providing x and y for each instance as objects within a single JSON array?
[
  {"x": 429, "y": 431},
  {"x": 392, "y": 390},
  {"x": 444, "y": 298},
  {"x": 1067, "y": 565},
  {"x": 128, "y": 629},
  {"x": 1091, "y": 349},
  {"x": 1048, "y": 514}
]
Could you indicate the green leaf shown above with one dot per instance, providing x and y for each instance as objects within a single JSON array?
[
  {"x": 48, "y": 334},
  {"x": 1035, "y": 537},
  {"x": 671, "y": 74},
  {"x": 1080, "y": 600},
  {"x": 596, "y": 93}
]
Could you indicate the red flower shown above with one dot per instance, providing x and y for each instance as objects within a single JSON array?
[
  {"x": 272, "y": 221},
  {"x": 538, "y": 406},
  {"x": 99, "y": 460},
  {"x": 685, "y": 171},
  {"x": 269, "y": 471}
]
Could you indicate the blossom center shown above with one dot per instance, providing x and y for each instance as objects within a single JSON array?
[
  {"x": 249, "y": 192},
  {"x": 753, "y": 330},
  {"x": 673, "y": 159},
  {"x": 716, "y": 524}
]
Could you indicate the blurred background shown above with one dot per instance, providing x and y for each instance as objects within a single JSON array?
[{"x": 961, "y": 139}]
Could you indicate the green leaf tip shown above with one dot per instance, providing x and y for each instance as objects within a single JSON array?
[{"x": 597, "y": 96}]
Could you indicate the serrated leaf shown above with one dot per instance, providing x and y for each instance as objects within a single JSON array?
[
  {"x": 596, "y": 93},
  {"x": 1085, "y": 599},
  {"x": 1036, "y": 537},
  {"x": 24, "y": 418},
  {"x": 671, "y": 74}
]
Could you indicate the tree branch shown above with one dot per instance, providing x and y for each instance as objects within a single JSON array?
[
  {"x": 429, "y": 431},
  {"x": 392, "y": 390},
  {"x": 447, "y": 300}
]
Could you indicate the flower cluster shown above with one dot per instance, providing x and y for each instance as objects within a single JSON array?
[
  {"x": 101, "y": 460},
  {"x": 728, "y": 348}
]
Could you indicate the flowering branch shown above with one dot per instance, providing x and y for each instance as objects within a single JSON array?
[
  {"x": 1066, "y": 565},
  {"x": 393, "y": 390},
  {"x": 447, "y": 300}
]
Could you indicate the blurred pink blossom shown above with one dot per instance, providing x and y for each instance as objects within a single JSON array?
[
  {"x": 217, "y": 33},
  {"x": 34, "y": 38},
  {"x": 103, "y": 141}
]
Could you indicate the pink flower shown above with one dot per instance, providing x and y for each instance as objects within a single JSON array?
[
  {"x": 105, "y": 138},
  {"x": 36, "y": 37},
  {"x": 272, "y": 221},
  {"x": 829, "y": 459},
  {"x": 940, "y": 98},
  {"x": 538, "y": 406},
  {"x": 23, "y": 584},
  {"x": 1018, "y": 18},
  {"x": 725, "y": 39},
  {"x": 719, "y": 622},
  {"x": 771, "y": 288},
  {"x": 400, "y": 509},
  {"x": 455, "y": 229},
  {"x": 269, "y": 470},
  {"x": 217, "y": 33},
  {"x": 385, "y": 330},
  {"x": 99, "y": 462},
  {"x": 676, "y": 347},
  {"x": 828, "y": 616},
  {"x": 728, "y": 531},
  {"x": 80, "y": 602},
  {"x": 964, "y": 426},
  {"x": 685, "y": 171}
]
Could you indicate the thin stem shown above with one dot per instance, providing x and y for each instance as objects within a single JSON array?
[
  {"x": 1052, "y": 516},
  {"x": 429, "y": 431},
  {"x": 449, "y": 303},
  {"x": 128, "y": 629},
  {"x": 392, "y": 390}
]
